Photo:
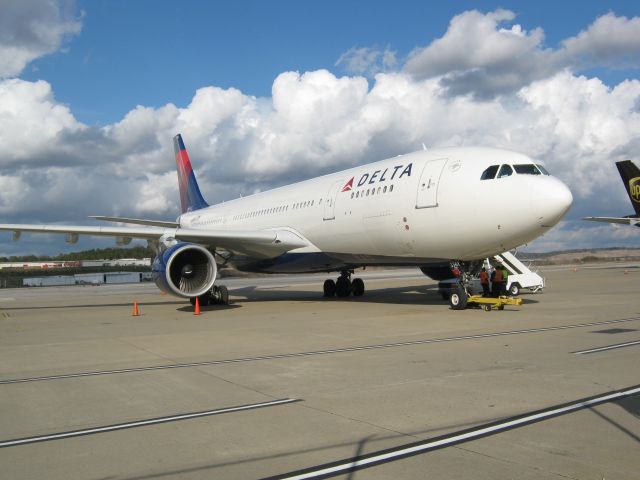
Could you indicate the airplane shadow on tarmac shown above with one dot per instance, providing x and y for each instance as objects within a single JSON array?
[
  {"x": 410, "y": 295},
  {"x": 632, "y": 406},
  {"x": 357, "y": 445}
]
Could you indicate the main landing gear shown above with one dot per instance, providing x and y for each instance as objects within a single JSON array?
[
  {"x": 344, "y": 286},
  {"x": 218, "y": 295}
]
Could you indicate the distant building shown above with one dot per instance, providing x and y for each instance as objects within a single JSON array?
[{"x": 122, "y": 262}]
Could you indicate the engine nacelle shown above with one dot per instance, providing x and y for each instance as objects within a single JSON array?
[
  {"x": 438, "y": 271},
  {"x": 185, "y": 270}
]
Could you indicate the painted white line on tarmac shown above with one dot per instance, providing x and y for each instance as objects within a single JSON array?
[
  {"x": 314, "y": 353},
  {"x": 403, "y": 451},
  {"x": 142, "y": 423},
  {"x": 608, "y": 347}
]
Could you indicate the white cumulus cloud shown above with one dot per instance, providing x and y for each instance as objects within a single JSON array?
[
  {"x": 485, "y": 55},
  {"x": 30, "y": 29},
  {"x": 54, "y": 168}
]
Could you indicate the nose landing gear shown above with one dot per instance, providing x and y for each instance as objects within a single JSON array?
[{"x": 344, "y": 286}]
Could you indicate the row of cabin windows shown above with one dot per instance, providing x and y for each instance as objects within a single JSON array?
[
  {"x": 507, "y": 170},
  {"x": 270, "y": 211},
  {"x": 371, "y": 191}
]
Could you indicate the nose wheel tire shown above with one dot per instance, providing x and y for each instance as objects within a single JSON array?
[{"x": 458, "y": 299}]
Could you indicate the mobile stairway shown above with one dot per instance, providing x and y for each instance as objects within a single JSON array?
[{"x": 519, "y": 275}]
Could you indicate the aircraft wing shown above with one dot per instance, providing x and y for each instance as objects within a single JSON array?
[
  {"x": 267, "y": 243},
  {"x": 621, "y": 220},
  {"x": 137, "y": 221}
]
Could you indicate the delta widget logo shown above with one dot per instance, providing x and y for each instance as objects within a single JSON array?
[
  {"x": 348, "y": 186},
  {"x": 634, "y": 189}
]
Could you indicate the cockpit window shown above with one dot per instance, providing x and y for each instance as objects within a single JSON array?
[
  {"x": 490, "y": 172},
  {"x": 505, "y": 171},
  {"x": 542, "y": 169},
  {"x": 526, "y": 169}
]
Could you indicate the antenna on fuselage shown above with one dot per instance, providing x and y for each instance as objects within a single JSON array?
[{"x": 424, "y": 147}]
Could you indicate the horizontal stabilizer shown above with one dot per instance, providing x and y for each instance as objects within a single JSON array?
[{"x": 620, "y": 220}]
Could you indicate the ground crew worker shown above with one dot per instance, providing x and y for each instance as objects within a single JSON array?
[
  {"x": 496, "y": 282},
  {"x": 484, "y": 281},
  {"x": 505, "y": 279}
]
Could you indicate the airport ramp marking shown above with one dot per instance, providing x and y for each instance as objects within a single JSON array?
[
  {"x": 142, "y": 423},
  {"x": 372, "y": 459},
  {"x": 313, "y": 353},
  {"x": 608, "y": 347}
]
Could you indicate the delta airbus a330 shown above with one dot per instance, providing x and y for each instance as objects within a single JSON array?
[{"x": 425, "y": 209}]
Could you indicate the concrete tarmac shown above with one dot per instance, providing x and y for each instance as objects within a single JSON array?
[{"x": 379, "y": 372}]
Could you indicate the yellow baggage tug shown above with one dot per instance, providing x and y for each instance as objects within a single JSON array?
[{"x": 459, "y": 300}]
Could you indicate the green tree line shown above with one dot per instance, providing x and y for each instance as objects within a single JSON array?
[{"x": 93, "y": 254}]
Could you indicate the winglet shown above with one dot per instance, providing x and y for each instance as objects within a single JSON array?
[{"x": 190, "y": 196}]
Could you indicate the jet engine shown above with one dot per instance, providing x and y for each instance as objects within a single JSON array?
[
  {"x": 185, "y": 270},
  {"x": 438, "y": 271}
]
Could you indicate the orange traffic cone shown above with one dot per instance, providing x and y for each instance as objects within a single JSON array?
[
  {"x": 136, "y": 311},
  {"x": 196, "y": 311}
]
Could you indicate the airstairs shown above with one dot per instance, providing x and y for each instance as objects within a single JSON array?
[{"x": 520, "y": 276}]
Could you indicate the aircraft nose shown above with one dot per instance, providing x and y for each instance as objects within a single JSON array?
[{"x": 551, "y": 199}]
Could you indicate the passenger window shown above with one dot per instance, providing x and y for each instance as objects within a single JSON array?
[
  {"x": 526, "y": 169},
  {"x": 391, "y": 188},
  {"x": 505, "y": 171},
  {"x": 384, "y": 190},
  {"x": 489, "y": 173}
]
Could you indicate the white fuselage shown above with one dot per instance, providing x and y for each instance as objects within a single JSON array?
[{"x": 425, "y": 206}]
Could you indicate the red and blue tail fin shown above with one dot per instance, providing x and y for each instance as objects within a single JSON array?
[{"x": 190, "y": 196}]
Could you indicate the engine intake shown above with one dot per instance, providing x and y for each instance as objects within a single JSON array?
[{"x": 185, "y": 270}]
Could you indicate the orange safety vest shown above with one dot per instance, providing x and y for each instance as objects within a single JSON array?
[
  {"x": 497, "y": 276},
  {"x": 484, "y": 277}
]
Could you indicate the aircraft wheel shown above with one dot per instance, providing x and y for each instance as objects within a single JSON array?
[
  {"x": 223, "y": 293},
  {"x": 458, "y": 299},
  {"x": 329, "y": 288},
  {"x": 357, "y": 287},
  {"x": 203, "y": 300},
  {"x": 514, "y": 289},
  {"x": 343, "y": 287}
]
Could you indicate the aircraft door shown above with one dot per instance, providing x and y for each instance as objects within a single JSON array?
[
  {"x": 428, "y": 185},
  {"x": 330, "y": 200}
]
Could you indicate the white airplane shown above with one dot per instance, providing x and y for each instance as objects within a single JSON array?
[
  {"x": 630, "y": 175},
  {"x": 429, "y": 209}
]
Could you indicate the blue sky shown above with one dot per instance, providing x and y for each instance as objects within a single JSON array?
[
  {"x": 91, "y": 93},
  {"x": 149, "y": 52}
]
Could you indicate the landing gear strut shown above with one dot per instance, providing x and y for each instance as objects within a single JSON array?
[{"x": 344, "y": 286}]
